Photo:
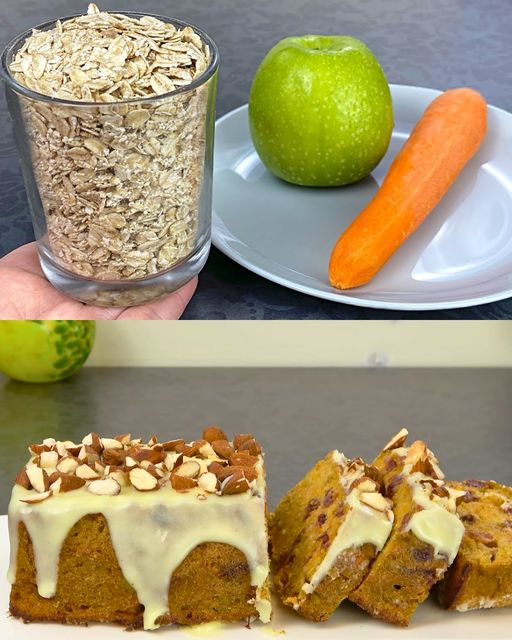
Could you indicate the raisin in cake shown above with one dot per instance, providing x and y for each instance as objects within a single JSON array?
[
  {"x": 325, "y": 533},
  {"x": 425, "y": 538},
  {"x": 142, "y": 534},
  {"x": 481, "y": 576}
]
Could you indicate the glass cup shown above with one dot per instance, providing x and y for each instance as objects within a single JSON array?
[{"x": 120, "y": 192}]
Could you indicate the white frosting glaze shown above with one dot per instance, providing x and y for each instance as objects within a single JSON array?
[
  {"x": 437, "y": 523},
  {"x": 361, "y": 525},
  {"x": 151, "y": 532}
]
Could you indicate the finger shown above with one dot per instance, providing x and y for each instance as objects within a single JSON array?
[
  {"x": 168, "y": 308},
  {"x": 24, "y": 257},
  {"x": 68, "y": 309},
  {"x": 24, "y": 296},
  {"x": 41, "y": 301}
]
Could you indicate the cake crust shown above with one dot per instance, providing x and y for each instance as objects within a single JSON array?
[
  {"x": 313, "y": 521},
  {"x": 425, "y": 537},
  {"x": 481, "y": 576},
  {"x": 91, "y": 585},
  {"x": 142, "y": 534}
]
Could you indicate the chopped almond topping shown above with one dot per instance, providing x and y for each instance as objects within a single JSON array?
[
  {"x": 397, "y": 440},
  {"x": 37, "y": 498},
  {"x": 104, "y": 487},
  {"x": 142, "y": 480},
  {"x": 104, "y": 465},
  {"x": 182, "y": 483},
  {"x": 210, "y": 434}
]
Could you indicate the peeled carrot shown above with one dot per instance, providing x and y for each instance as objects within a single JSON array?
[{"x": 442, "y": 142}]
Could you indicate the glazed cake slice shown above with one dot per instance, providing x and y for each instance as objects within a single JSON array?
[
  {"x": 142, "y": 534},
  {"x": 481, "y": 576},
  {"x": 325, "y": 533},
  {"x": 425, "y": 538}
]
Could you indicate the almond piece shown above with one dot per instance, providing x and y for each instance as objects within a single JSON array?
[
  {"x": 152, "y": 441},
  {"x": 191, "y": 450},
  {"x": 253, "y": 447},
  {"x": 210, "y": 434},
  {"x": 397, "y": 440},
  {"x": 203, "y": 465},
  {"x": 38, "y": 479},
  {"x": 84, "y": 471},
  {"x": 61, "y": 447},
  {"x": 129, "y": 462},
  {"x": 223, "y": 473},
  {"x": 208, "y": 482},
  {"x": 364, "y": 484},
  {"x": 37, "y": 449},
  {"x": 49, "y": 442},
  {"x": 121, "y": 477},
  {"x": 67, "y": 483},
  {"x": 235, "y": 483},
  {"x": 99, "y": 467},
  {"x": 375, "y": 501},
  {"x": 417, "y": 453},
  {"x": 48, "y": 459},
  {"x": 111, "y": 443},
  {"x": 171, "y": 445},
  {"x": 88, "y": 454},
  {"x": 114, "y": 456},
  {"x": 182, "y": 483},
  {"x": 436, "y": 471},
  {"x": 239, "y": 439},
  {"x": 188, "y": 450},
  {"x": 55, "y": 485},
  {"x": 150, "y": 468},
  {"x": 22, "y": 478},
  {"x": 37, "y": 498},
  {"x": 142, "y": 480},
  {"x": 153, "y": 455},
  {"x": 216, "y": 467},
  {"x": 104, "y": 487},
  {"x": 94, "y": 441},
  {"x": 243, "y": 459},
  {"x": 222, "y": 448},
  {"x": 440, "y": 491},
  {"x": 124, "y": 438},
  {"x": 207, "y": 450},
  {"x": 188, "y": 469},
  {"x": 171, "y": 459},
  {"x": 67, "y": 464},
  {"x": 74, "y": 449}
]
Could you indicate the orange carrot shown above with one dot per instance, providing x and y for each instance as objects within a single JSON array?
[{"x": 445, "y": 138}]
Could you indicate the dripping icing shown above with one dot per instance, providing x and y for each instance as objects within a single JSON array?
[{"x": 132, "y": 517}]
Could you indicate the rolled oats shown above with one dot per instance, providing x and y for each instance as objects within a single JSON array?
[{"x": 119, "y": 183}]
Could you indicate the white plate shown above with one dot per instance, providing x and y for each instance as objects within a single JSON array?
[
  {"x": 430, "y": 622},
  {"x": 461, "y": 255}
]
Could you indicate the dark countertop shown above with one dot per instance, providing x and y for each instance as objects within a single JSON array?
[
  {"x": 297, "y": 414},
  {"x": 435, "y": 44}
]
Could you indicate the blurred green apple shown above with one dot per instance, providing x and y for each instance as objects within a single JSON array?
[
  {"x": 44, "y": 350},
  {"x": 320, "y": 110}
]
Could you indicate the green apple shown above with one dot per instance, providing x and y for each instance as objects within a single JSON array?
[
  {"x": 320, "y": 110},
  {"x": 44, "y": 350}
]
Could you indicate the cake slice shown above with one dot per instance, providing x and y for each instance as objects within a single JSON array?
[
  {"x": 425, "y": 538},
  {"x": 481, "y": 576},
  {"x": 142, "y": 534},
  {"x": 325, "y": 533}
]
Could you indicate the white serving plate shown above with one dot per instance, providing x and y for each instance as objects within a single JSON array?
[
  {"x": 348, "y": 622},
  {"x": 461, "y": 255}
]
